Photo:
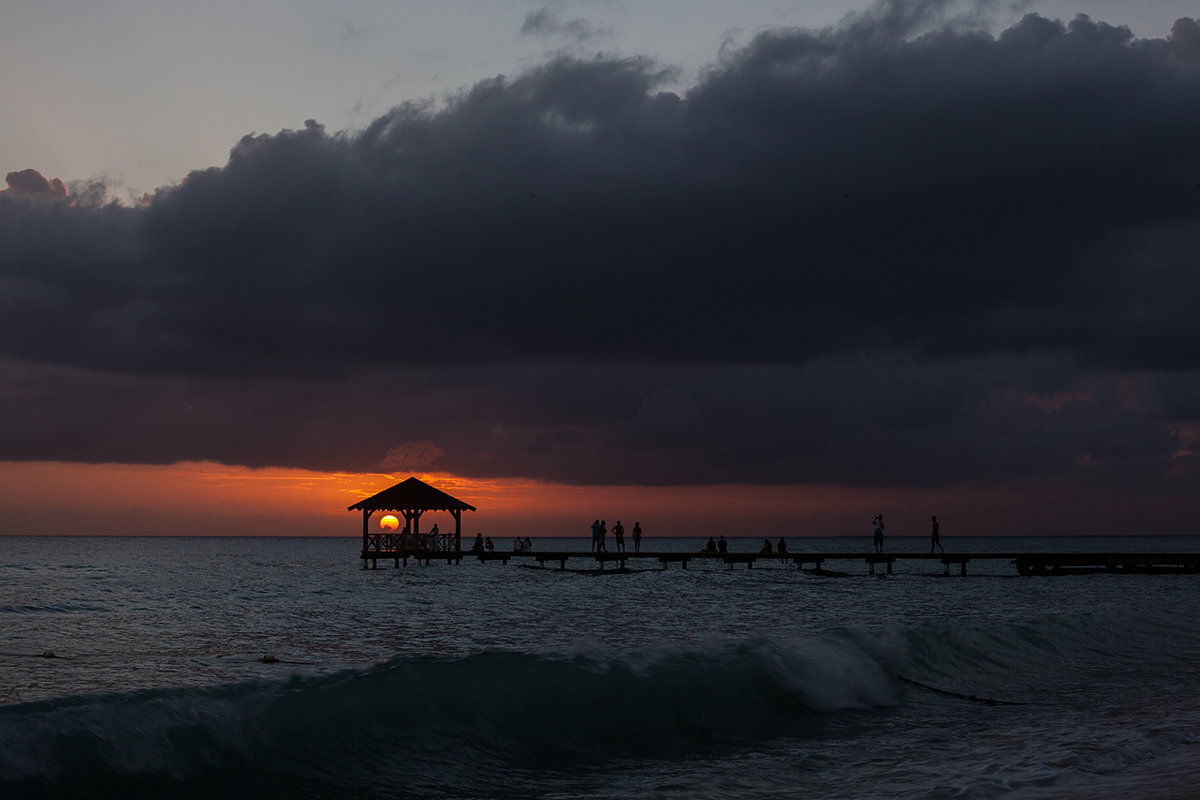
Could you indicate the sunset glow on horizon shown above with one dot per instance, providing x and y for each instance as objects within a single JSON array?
[{"x": 205, "y": 499}]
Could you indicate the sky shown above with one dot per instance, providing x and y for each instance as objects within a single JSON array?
[{"x": 761, "y": 268}]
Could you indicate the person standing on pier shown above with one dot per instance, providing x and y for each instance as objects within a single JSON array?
[
  {"x": 781, "y": 548},
  {"x": 637, "y": 537},
  {"x": 935, "y": 538},
  {"x": 722, "y": 545},
  {"x": 878, "y": 522},
  {"x": 619, "y": 536},
  {"x": 603, "y": 536},
  {"x": 596, "y": 536},
  {"x": 478, "y": 548}
]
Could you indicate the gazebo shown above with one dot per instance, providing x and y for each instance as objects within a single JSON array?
[{"x": 411, "y": 498}]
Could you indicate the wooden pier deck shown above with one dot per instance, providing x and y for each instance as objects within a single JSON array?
[{"x": 1025, "y": 563}]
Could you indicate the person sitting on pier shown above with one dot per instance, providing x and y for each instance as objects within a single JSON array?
[
  {"x": 518, "y": 545},
  {"x": 711, "y": 547},
  {"x": 528, "y": 543},
  {"x": 781, "y": 548},
  {"x": 478, "y": 546},
  {"x": 766, "y": 548},
  {"x": 489, "y": 544},
  {"x": 722, "y": 545},
  {"x": 618, "y": 532}
]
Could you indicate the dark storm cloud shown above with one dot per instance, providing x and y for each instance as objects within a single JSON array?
[{"x": 850, "y": 255}]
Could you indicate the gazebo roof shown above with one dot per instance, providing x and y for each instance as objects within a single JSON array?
[{"x": 411, "y": 495}]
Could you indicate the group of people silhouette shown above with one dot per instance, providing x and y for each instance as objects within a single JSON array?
[{"x": 600, "y": 533}]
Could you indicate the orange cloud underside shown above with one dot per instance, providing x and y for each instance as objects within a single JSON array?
[
  {"x": 200, "y": 499},
  {"x": 214, "y": 499}
]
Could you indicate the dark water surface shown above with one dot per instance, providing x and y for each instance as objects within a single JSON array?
[{"x": 486, "y": 680}]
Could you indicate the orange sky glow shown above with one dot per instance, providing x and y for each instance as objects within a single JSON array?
[{"x": 207, "y": 499}]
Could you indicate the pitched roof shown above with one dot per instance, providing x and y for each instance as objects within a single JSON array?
[{"x": 411, "y": 495}]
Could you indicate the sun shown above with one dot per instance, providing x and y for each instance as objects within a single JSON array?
[{"x": 389, "y": 523}]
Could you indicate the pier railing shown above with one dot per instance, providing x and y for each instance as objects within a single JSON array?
[{"x": 399, "y": 543}]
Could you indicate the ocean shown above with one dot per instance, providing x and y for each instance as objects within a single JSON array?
[{"x": 509, "y": 681}]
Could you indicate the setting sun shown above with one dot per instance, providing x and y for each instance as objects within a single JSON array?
[{"x": 389, "y": 523}]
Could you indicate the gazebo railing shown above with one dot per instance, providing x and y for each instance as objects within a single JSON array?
[{"x": 401, "y": 542}]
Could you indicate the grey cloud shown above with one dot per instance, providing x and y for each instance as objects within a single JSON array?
[
  {"x": 546, "y": 22},
  {"x": 819, "y": 262}
]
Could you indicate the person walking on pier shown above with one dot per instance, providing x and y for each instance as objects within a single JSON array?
[
  {"x": 637, "y": 537},
  {"x": 596, "y": 536},
  {"x": 935, "y": 538},
  {"x": 619, "y": 536},
  {"x": 878, "y": 522}
]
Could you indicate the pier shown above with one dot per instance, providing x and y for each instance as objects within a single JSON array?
[
  {"x": 413, "y": 498},
  {"x": 869, "y": 562}
]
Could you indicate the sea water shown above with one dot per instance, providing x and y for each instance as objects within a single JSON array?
[{"x": 483, "y": 680}]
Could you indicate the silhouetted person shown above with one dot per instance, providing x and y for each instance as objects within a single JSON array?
[
  {"x": 637, "y": 537},
  {"x": 478, "y": 546},
  {"x": 603, "y": 536},
  {"x": 489, "y": 544},
  {"x": 722, "y": 545},
  {"x": 619, "y": 536},
  {"x": 878, "y": 522},
  {"x": 766, "y": 548},
  {"x": 528, "y": 543},
  {"x": 935, "y": 538},
  {"x": 596, "y": 536},
  {"x": 711, "y": 547},
  {"x": 518, "y": 545},
  {"x": 781, "y": 548}
]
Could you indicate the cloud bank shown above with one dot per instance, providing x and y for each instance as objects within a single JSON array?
[{"x": 858, "y": 255}]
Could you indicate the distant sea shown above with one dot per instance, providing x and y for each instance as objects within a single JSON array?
[{"x": 506, "y": 681}]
